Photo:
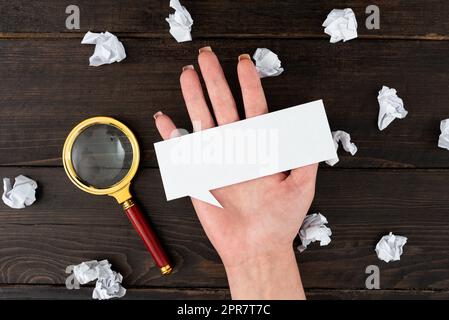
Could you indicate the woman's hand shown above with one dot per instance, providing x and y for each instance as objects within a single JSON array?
[{"x": 254, "y": 232}]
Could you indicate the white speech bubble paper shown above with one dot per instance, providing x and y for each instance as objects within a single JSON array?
[{"x": 194, "y": 164}]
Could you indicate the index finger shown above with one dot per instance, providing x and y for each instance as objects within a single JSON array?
[{"x": 252, "y": 91}]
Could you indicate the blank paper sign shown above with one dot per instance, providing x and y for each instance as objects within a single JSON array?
[{"x": 196, "y": 163}]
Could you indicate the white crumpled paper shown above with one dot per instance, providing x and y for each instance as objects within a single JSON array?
[
  {"x": 313, "y": 229},
  {"x": 180, "y": 22},
  {"x": 389, "y": 248},
  {"x": 390, "y": 107},
  {"x": 341, "y": 24},
  {"x": 348, "y": 146},
  {"x": 267, "y": 63},
  {"x": 443, "y": 141},
  {"x": 108, "y": 283},
  {"x": 22, "y": 194},
  {"x": 108, "y": 48}
]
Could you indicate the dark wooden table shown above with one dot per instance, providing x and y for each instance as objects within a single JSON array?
[{"x": 396, "y": 182}]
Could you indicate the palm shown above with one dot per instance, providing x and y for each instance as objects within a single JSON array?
[{"x": 259, "y": 215}]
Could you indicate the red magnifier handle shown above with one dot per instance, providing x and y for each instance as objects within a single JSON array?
[{"x": 145, "y": 232}]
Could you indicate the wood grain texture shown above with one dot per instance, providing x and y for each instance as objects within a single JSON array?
[
  {"x": 66, "y": 227},
  {"x": 394, "y": 183},
  {"x": 45, "y": 292},
  {"x": 377, "y": 295},
  {"x": 238, "y": 18},
  {"x": 48, "y": 88}
]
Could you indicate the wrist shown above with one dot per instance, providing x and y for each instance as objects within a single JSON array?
[{"x": 267, "y": 275}]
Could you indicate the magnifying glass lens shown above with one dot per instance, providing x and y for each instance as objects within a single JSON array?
[{"x": 102, "y": 156}]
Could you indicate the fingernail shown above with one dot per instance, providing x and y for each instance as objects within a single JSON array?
[
  {"x": 157, "y": 114},
  {"x": 188, "y": 67},
  {"x": 205, "y": 49},
  {"x": 244, "y": 56}
]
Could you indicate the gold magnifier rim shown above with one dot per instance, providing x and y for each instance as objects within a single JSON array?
[{"x": 67, "y": 156}]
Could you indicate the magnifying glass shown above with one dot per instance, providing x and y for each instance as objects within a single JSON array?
[{"x": 101, "y": 156}]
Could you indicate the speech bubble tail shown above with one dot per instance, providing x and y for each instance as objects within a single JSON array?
[{"x": 206, "y": 196}]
